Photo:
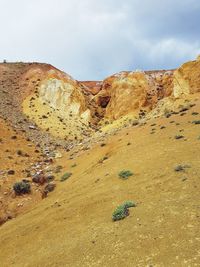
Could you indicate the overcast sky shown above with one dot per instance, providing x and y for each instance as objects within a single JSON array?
[{"x": 91, "y": 39}]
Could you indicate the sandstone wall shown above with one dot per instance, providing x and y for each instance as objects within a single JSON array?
[{"x": 187, "y": 79}]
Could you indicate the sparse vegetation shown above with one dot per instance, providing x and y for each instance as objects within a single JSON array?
[
  {"x": 180, "y": 167},
  {"x": 22, "y": 188},
  {"x": 65, "y": 176},
  {"x": 73, "y": 165},
  {"x": 91, "y": 202},
  {"x": 129, "y": 204},
  {"x": 125, "y": 174},
  {"x": 196, "y": 122},
  {"x": 50, "y": 177},
  {"x": 122, "y": 211},
  {"x": 167, "y": 113},
  {"x": 58, "y": 169},
  {"x": 135, "y": 123}
]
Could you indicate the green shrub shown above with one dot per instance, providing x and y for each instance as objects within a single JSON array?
[
  {"x": 122, "y": 211},
  {"x": 65, "y": 176},
  {"x": 129, "y": 204},
  {"x": 22, "y": 188},
  {"x": 125, "y": 174}
]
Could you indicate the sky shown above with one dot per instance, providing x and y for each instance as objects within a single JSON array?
[{"x": 92, "y": 39}]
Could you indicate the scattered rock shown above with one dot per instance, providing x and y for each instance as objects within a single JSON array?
[
  {"x": 32, "y": 127},
  {"x": 39, "y": 179},
  {"x": 48, "y": 188},
  {"x": 178, "y": 136},
  {"x": 11, "y": 172}
]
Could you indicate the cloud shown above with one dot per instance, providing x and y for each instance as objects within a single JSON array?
[{"x": 91, "y": 39}]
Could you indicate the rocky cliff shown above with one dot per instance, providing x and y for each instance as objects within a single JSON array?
[
  {"x": 133, "y": 92},
  {"x": 69, "y": 141},
  {"x": 138, "y": 93},
  {"x": 62, "y": 107},
  {"x": 187, "y": 79},
  {"x": 58, "y": 105}
]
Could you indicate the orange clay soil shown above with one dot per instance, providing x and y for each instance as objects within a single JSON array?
[
  {"x": 74, "y": 227},
  {"x": 19, "y": 155}
]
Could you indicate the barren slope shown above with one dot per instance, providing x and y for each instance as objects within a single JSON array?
[
  {"x": 73, "y": 226},
  {"x": 147, "y": 123}
]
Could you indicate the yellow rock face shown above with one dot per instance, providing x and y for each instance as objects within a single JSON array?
[
  {"x": 127, "y": 95},
  {"x": 187, "y": 79},
  {"x": 133, "y": 93},
  {"x": 63, "y": 96},
  {"x": 58, "y": 106}
]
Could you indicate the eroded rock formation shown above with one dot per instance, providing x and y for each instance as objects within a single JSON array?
[
  {"x": 70, "y": 110},
  {"x": 187, "y": 78}
]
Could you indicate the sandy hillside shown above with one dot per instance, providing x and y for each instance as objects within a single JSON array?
[{"x": 157, "y": 139}]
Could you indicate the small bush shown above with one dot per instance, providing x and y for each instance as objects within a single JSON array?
[
  {"x": 135, "y": 123},
  {"x": 74, "y": 165},
  {"x": 122, "y": 211},
  {"x": 65, "y": 176},
  {"x": 196, "y": 122},
  {"x": 22, "y": 188},
  {"x": 180, "y": 168},
  {"x": 129, "y": 204},
  {"x": 167, "y": 113},
  {"x": 50, "y": 177},
  {"x": 58, "y": 169},
  {"x": 125, "y": 174}
]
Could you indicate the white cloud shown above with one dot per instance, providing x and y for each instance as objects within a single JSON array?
[{"x": 91, "y": 39}]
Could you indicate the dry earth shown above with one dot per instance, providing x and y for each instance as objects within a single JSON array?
[{"x": 72, "y": 226}]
